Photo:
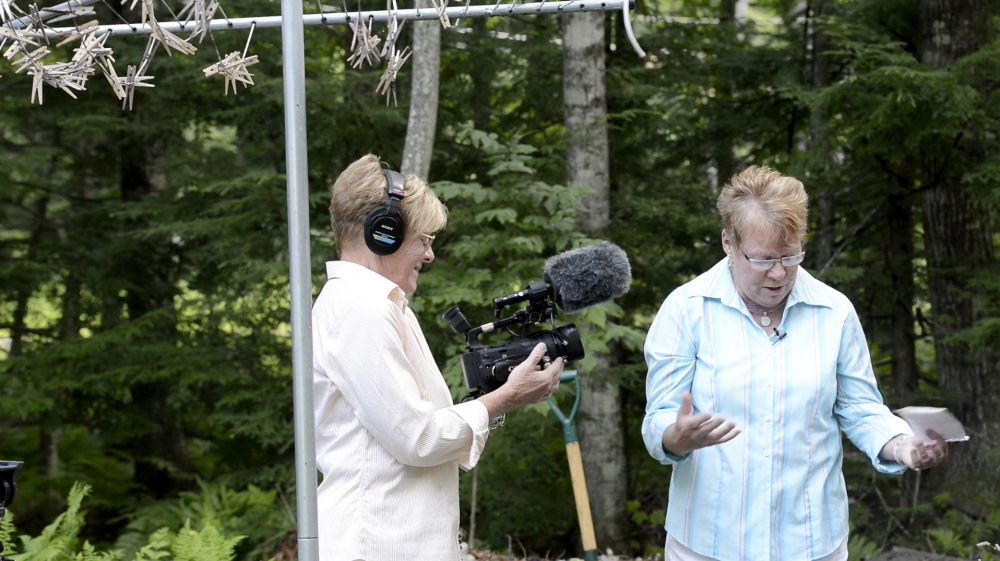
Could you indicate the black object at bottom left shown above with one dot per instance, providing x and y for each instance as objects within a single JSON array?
[{"x": 8, "y": 490}]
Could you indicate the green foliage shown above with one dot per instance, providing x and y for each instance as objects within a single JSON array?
[
  {"x": 59, "y": 541},
  {"x": 949, "y": 543},
  {"x": 530, "y": 451},
  {"x": 253, "y": 513},
  {"x": 859, "y": 547},
  {"x": 7, "y": 531},
  {"x": 157, "y": 547},
  {"x": 190, "y": 545},
  {"x": 651, "y": 528}
]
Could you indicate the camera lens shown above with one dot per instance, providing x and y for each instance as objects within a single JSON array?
[{"x": 572, "y": 346}]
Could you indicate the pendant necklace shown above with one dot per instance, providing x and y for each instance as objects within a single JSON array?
[{"x": 765, "y": 320}]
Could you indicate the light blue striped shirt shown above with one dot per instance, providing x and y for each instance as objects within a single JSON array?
[{"x": 776, "y": 491}]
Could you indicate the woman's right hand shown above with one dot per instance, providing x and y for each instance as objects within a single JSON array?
[
  {"x": 528, "y": 383},
  {"x": 691, "y": 432}
]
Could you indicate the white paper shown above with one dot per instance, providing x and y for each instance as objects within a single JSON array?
[{"x": 938, "y": 419}]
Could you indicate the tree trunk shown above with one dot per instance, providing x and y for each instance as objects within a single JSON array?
[
  {"x": 600, "y": 428},
  {"x": 585, "y": 108},
  {"x": 151, "y": 289},
  {"x": 723, "y": 166},
  {"x": 824, "y": 209},
  {"x": 423, "y": 96},
  {"x": 900, "y": 263},
  {"x": 960, "y": 248},
  {"x": 24, "y": 292}
]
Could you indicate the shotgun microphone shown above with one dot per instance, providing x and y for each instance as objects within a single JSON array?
[
  {"x": 577, "y": 279},
  {"x": 584, "y": 277}
]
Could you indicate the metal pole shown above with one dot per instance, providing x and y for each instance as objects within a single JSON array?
[
  {"x": 50, "y": 12},
  {"x": 300, "y": 276},
  {"x": 454, "y": 12}
]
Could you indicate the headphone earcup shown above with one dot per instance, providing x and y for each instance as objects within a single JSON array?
[{"x": 384, "y": 230}]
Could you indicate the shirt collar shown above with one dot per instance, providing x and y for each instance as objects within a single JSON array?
[
  {"x": 372, "y": 281},
  {"x": 717, "y": 283}
]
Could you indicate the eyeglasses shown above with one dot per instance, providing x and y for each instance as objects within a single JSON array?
[
  {"x": 766, "y": 264},
  {"x": 427, "y": 239}
]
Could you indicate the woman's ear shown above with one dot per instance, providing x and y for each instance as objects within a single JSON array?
[{"x": 727, "y": 244}]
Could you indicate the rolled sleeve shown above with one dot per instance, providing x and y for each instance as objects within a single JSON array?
[
  {"x": 862, "y": 415},
  {"x": 474, "y": 414},
  {"x": 670, "y": 352}
]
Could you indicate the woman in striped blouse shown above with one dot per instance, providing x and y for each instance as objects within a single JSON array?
[{"x": 756, "y": 368}]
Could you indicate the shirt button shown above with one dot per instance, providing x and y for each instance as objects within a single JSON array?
[
  {"x": 767, "y": 419},
  {"x": 767, "y": 383},
  {"x": 767, "y": 454}
]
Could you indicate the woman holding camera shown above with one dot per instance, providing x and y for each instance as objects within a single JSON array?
[{"x": 389, "y": 439}]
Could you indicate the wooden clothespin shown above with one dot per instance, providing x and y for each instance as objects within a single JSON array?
[
  {"x": 234, "y": 66},
  {"x": 201, "y": 12},
  {"x": 79, "y": 32},
  {"x": 112, "y": 77},
  {"x": 136, "y": 76},
  {"x": 70, "y": 12},
  {"x": 36, "y": 22},
  {"x": 394, "y": 27},
  {"x": 363, "y": 43},
  {"x": 132, "y": 80},
  {"x": 7, "y": 8},
  {"x": 387, "y": 83},
  {"x": 442, "y": 14},
  {"x": 166, "y": 38},
  {"x": 30, "y": 59}
]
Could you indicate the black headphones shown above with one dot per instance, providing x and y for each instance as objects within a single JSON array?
[{"x": 384, "y": 227}]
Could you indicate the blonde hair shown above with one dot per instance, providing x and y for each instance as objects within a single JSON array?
[
  {"x": 361, "y": 188},
  {"x": 762, "y": 200}
]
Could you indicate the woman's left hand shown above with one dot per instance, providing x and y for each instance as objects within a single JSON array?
[{"x": 921, "y": 455}]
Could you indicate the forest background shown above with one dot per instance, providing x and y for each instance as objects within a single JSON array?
[{"x": 144, "y": 317}]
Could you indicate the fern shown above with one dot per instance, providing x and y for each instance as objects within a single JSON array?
[
  {"x": 158, "y": 546},
  {"x": 6, "y": 532},
  {"x": 950, "y": 542},
  {"x": 58, "y": 540},
  {"x": 231, "y": 512},
  {"x": 89, "y": 553},
  {"x": 859, "y": 547},
  {"x": 206, "y": 545}
]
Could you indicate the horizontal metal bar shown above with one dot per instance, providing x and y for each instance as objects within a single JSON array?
[
  {"x": 50, "y": 12},
  {"x": 340, "y": 18}
]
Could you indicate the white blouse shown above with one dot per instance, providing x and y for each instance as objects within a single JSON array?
[{"x": 389, "y": 440}]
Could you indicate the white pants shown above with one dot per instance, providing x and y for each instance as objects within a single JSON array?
[{"x": 674, "y": 551}]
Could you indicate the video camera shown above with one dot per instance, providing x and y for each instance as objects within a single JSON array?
[{"x": 573, "y": 280}]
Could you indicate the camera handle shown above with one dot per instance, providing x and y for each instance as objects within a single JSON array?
[
  {"x": 575, "y": 461},
  {"x": 472, "y": 336}
]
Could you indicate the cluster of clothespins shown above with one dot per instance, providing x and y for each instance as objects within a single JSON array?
[
  {"x": 364, "y": 47},
  {"x": 28, "y": 34},
  {"x": 27, "y": 31}
]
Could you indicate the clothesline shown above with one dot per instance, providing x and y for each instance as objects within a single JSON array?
[{"x": 341, "y": 18}]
